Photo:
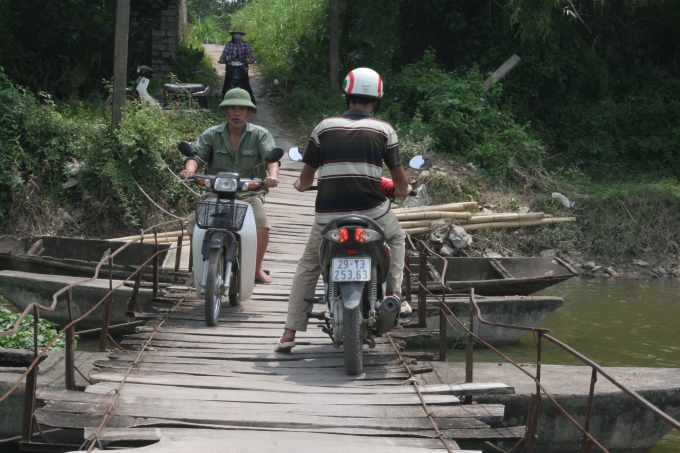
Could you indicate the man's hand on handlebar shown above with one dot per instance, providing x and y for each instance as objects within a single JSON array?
[
  {"x": 187, "y": 174},
  {"x": 270, "y": 182}
]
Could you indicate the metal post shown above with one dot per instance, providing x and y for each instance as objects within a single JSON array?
[
  {"x": 178, "y": 257},
  {"x": 31, "y": 385},
  {"x": 334, "y": 39},
  {"x": 532, "y": 423},
  {"x": 586, "y": 443},
  {"x": 104, "y": 336},
  {"x": 156, "y": 264},
  {"x": 407, "y": 284},
  {"x": 532, "y": 416},
  {"x": 422, "y": 295},
  {"x": 69, "y": 354},
  {"x": 469, "y": 348},
  {"x": 442, "y": 329}
]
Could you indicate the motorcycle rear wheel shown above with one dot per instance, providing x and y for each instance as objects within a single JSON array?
[
  {"x": 214, "y": 286},
  {"x": 352, "y": 341}
]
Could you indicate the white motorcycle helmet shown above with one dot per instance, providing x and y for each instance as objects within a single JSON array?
[{"x": 363, "y": 83}]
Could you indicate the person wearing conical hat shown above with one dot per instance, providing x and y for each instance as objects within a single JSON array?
[{"x": 237, "y": 50}]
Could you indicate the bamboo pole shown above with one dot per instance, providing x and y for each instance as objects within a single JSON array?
[
  {"x": 432, "y": 215},
  {"x": 517, "y": 224},
  {"x": 417, "y": 231},
  {"x": 149, "y": 236},
  {"x": 452, "y": 207},
  {"x": 506, "y": 217}
]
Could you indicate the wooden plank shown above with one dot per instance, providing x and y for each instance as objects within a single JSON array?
[
  {"x": 209, "y": 394},
  {"x": 77, "y": 402},
  {"x": 271, "y": 440},
  {"x": 154, "y": 434}
]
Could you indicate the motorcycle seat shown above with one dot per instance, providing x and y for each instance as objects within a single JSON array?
[
  {"x": 178, "y": 88},
  {"x": 353, "y": 221}
]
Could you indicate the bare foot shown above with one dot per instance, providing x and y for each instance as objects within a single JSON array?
[
  {"x": 261, "y": 276},
  {"x": 190, "y": 281}
]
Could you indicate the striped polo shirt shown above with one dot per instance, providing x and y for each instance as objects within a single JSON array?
[{"x": 348, "y": 152}]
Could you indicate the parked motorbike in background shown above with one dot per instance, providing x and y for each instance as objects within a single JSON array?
[
  {"x": 174, "y": 93},
  {"x": 225, "y": 238},
  {"x": 355, "y": 262}
]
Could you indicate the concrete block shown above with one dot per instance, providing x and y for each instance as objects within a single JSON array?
[
  {"x": 158, "y": 33},
  {"x": 171, "y": 33},
  {"x": 167, "y": 54}
]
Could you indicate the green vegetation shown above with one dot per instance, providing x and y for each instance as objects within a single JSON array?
[
  {"x": 39, "y": 141},
  {"x": 24, "y": 339}
]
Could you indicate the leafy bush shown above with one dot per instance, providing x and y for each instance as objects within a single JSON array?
[
  {"x": 24, "y": 339},
  {"x": 37, "y": 141},
  {"x": 462, "y": 119},
  {"x": 274, "y": 28},
  {"x": 211, "y": 30},
  {"x": 192, "y": 64}
]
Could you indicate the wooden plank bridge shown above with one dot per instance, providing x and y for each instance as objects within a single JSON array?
[{"x": 203, "y": 389}]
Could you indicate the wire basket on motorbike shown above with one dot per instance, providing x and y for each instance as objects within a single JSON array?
[{"x": 222, "y": 215}]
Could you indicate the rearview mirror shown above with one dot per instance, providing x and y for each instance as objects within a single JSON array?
[
  {"x": 274, "y": 155},
  {"x": 295, "y": 153},
  {"x": 419, "y": 162},
  {"x": 187, "y": 149}
]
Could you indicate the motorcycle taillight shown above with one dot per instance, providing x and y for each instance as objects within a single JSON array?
[{"x": 338, "y": 235}]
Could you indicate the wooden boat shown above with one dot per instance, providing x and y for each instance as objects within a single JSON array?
[
  {"x": 526, "y": 311},
  {"x": 75, "y": 257},
  {"x": 496, "y": 276},
  {"x": 23, "y": 288}
]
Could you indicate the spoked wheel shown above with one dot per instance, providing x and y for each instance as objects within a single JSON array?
[
  {"x": 352, "y": 341},
  {"x": 233, "y": 287},
  {"x": 214, "y": 286}
]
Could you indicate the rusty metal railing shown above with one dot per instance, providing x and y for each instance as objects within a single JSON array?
[
  {"x": 31, "y": 373},
  {"x": 587, "y": 441}
]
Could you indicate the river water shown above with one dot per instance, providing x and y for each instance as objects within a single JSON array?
[{"x": 615, "y": 322}]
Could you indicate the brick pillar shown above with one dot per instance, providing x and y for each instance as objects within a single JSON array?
[{"x": 166, "y": 36}]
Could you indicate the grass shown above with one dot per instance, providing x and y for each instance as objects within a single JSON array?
[{"x": 274, "y": 28}]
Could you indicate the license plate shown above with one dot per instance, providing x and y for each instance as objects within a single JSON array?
[{"x": 351, "y": 269}]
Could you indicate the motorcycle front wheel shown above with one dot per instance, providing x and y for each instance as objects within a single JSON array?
[
  {"x": 234, "y": 286},
  {"x": 352, "y": 341},
  {"x": 214, "y": 286}
]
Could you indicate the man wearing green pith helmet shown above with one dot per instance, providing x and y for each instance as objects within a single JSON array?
[{"x": 239, "y": 146}]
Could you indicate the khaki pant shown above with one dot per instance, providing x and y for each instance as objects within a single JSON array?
[
  {"x": 309, "y": 269},
  {"x": 256, "y": 202}
]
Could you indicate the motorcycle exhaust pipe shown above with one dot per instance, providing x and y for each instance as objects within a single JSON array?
[{"x": 387, "y": 314}]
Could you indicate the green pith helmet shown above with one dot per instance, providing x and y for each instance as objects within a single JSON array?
[{"x": 238, "y": 96}]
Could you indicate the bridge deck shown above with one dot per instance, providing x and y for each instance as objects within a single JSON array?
[{"x": 222, "y": 388}]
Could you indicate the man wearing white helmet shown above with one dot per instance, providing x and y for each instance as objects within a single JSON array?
[{"x": 348, "y": 152}]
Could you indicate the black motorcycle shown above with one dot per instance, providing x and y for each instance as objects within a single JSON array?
[{"x": 355, "y": 262}]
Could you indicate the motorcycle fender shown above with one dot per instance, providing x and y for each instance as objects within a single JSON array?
[
  {"x": 351, "y": 293},
  {"x": 247, "y": 253}
]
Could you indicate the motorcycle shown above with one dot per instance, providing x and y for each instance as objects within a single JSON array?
[
  {"x": 355, "y": 262},
  {"x": 173, "y": 92},
  {"x": 225, "y": 238},
  {"x": 235, "y": 74}
]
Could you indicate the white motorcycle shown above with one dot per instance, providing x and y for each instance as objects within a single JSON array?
[
  {"x": 225, "y": 238},
  {"x": 173, "y": 92}
]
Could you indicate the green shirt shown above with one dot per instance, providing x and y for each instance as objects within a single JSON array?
[{"x": 214, "y": 147}]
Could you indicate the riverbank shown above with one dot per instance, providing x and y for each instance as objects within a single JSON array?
[{"x": 618, "y": 423}]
